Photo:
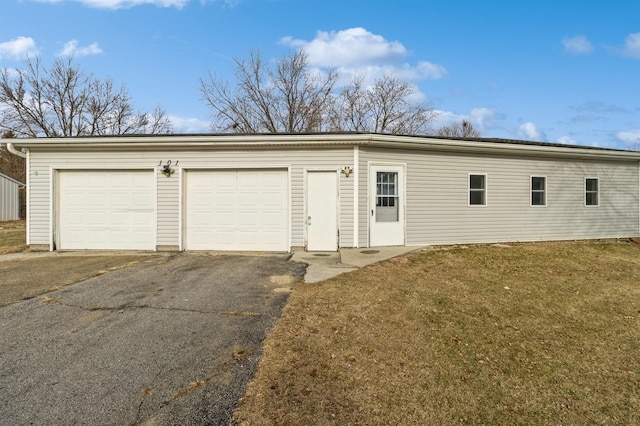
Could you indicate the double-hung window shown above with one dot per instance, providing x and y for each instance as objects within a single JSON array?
[
  {"x": 591, "y": 192},
  {"x": 538, "y": 191},
  {"x": 477, "y": 189}
]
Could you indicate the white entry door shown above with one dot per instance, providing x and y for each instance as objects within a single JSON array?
[
  {"x": 386, "y": 218},
  {"x": 322, "y": 211},
  {"x": 243, "y": 210}
]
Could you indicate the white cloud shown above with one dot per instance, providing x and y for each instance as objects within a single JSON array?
[
  {"x": 629, "y": 136},
  {"x": 18, "y": 48},
  {"x": 530, "y": 131},
  {"x": 353, "y": 46},
  {"x": 423, "y": 71},
  {"x": 446, "y": 118},
  {"x": 358, "y": 52},
  {"x": 578, "y": 45},
  {"x": 632, "y": 46},
  {"x": 189, "y": 125},
  {"x": 482, "y": 118},
  {"x": 123, "y": 4},
  {"x": 71, "y": 48},
  {"x": 566, "y": 140}
]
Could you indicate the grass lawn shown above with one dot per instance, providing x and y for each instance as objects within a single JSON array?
[
  {"x": 545, "y": 333},
  {"x": 12, "y": 237}
]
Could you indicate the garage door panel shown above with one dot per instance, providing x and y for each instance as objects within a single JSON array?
[
  {"x": 272, "y": 220},
  {"x": 93, "y": 198},
  {"x": 96, "y": 220},
  {"x": 246, "y": 209},
  {"x": 106, "y": 209}
]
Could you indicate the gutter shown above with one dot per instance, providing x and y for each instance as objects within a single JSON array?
[{"x": 14, "y": 151}]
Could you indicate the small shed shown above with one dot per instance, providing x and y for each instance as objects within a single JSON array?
[{"x": 9, "y": 198}]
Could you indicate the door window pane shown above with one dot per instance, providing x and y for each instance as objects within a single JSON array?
[{"x": 387, "y": 209}]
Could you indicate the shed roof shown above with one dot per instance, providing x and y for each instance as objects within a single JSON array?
[
  {"x": 2, "y": 176},
  {"x": 274, "y": 140}
]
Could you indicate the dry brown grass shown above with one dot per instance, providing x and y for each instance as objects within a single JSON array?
[
  {"x": 12, "y": 237},
  {"x": 27, "y": 277},
  {"x": 544, "y": 333}
]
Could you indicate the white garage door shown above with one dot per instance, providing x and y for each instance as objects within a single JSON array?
[
  {"x": 106, "y": 209},
  {"x": 237, "y": 210}
]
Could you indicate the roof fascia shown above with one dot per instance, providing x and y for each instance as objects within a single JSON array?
[
  {"x": 329, "y": 139},
  {"x": 502, "y": 148},
  {"x": 217, "y": 141}
]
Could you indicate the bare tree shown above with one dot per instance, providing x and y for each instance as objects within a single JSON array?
[
  {"x": 287, "y": 98},
  {"x": 385, "y": 107},
  {"x": 11, "y": 165},
  {"x": 463, "y": 129},
  {"x": 291, "y": 97},
  {"x": 66, "y": 101}
]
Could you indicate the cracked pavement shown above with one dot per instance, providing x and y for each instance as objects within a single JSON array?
[{"x": 174, "y": 339}]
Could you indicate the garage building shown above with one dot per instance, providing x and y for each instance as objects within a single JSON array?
[{"x": 321, "y": 191}]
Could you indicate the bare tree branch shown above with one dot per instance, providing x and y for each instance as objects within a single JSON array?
[
  {"x": 65, "y": 101},
  {"x": 292, "y": 97},
  {"x": 289, "y": 98},
  {"x": 463, "y": 129},
  {"x": 11, "y": 165},
  {"x": 385, "y": 107}
]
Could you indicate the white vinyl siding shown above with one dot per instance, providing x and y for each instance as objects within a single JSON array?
[
  {"x": 437, "y": 198},
  {"x": 168, "y": 212},
  {"x": 169, "y": 190}
]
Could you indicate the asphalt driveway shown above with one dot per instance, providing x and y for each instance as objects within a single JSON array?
[{"x": 173, "y": 339}]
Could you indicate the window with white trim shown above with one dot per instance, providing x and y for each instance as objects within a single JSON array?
[
  {"x": 591, "y": 192},
  {"x": 477, "y": 190},
  {"x": 538, "y": 191}
]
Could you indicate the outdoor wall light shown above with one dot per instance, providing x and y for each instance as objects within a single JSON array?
[
  {"x": 166, "y": 169},
  {"x": 347, "y": 171}
]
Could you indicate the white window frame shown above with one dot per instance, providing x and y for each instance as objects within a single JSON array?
[
  {"x": 485, "y": 190},
  {"x": 597, "y": 192},
  {"x": 544, "y": 191}
]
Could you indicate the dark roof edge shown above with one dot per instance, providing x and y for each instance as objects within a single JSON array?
[{"x": 331, "y": 138}]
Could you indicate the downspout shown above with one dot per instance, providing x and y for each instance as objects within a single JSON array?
[{"x": 14, "y": 151}]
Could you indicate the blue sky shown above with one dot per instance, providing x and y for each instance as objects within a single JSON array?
[{"x": 551, "y": 71}]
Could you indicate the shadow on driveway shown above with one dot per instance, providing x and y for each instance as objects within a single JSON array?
[{"x": 172, "y": 340}]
